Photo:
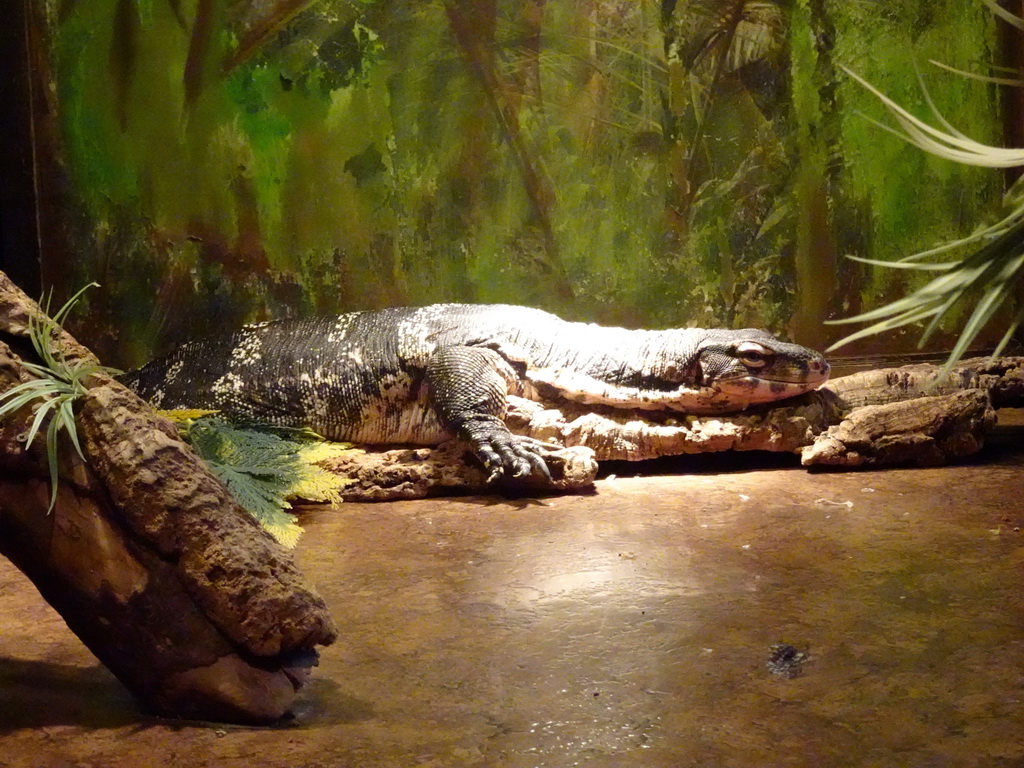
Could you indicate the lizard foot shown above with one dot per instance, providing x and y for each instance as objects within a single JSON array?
[{"x": 515, "y": 456}]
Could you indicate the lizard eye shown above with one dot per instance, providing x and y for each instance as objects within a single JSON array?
[{"x": 753, "y": 355}]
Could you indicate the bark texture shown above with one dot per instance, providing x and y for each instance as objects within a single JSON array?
[
  {"x": 913, "y": 415},
  {"x": 415, "y": 473},
  {"x": 1002, "y": 378},
  {"x": 925, "y": 431},
  {"x": 188, "y": 601}
]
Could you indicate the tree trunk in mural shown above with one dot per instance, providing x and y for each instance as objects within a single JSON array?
[
  {"x": 193, "y": 606},
  {"x": 472, "y": 25},
  {"x": 816, "y": 248},
  {"x": 687, "y": 107},
  {"x": 55, "y": 243},
  {"x": 850, "y": 219},
  {"x": 527, "y": 71}
]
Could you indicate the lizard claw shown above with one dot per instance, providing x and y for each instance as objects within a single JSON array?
[{"x": 508, "y": 455}]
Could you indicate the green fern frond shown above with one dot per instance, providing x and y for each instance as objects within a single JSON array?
[
  {"x": 264, "y": 468},
  {"x": 283, "y": 527},
  {"x": 316, "y": 483}
]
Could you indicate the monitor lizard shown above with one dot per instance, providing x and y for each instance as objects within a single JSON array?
[{"x": 421, "y": 375}]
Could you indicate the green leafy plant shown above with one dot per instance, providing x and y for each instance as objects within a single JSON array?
[
  {"x": 60, "y": 382},
  {"x": 263, "y": 468},
  {"x": 994, "y": 262}
]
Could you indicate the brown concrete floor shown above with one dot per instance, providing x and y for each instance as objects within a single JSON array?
[{"x": 627, "y": 628}]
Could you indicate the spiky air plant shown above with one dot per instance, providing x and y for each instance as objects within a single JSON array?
[
  {"x": 53, "y": 393},
  {"x": 991, "y": 269}
]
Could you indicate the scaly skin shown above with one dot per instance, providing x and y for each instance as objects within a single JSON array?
[{"x": 424, "y": 374}]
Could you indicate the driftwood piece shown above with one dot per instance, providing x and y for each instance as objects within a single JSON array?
[
  {"x": 634, "y": 435},
  {"x": 414, "y": 473},
  {"x": 1002, "y": 378},
  {"x": 910, "y": 415},
  {"x": 925, "y": 431},
  {"x": 188, "y": 601}
]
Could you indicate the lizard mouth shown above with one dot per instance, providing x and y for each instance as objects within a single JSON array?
[
  {"x": 807, "y": 375},
  {"x": 762, "y": 389}
]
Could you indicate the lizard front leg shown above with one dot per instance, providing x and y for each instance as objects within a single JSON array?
[{"x": 469, "y": 388}]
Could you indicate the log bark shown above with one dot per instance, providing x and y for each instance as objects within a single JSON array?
[
  {"x": 174, "y": 587},
  {"x": 924, "y": 431},
  {"x": 912, "y": 415},
  {"x": 1002, "y": 378},
  {"x": 415, "y": 473},
  {"x": 620, "y": 435}
]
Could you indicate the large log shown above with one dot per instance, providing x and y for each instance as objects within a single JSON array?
[
  {"x": 414, "y": 473},
  {"x": 175, "y": 588},
  {"x": 913, "y": 415},
  {"x": 925, "y": 431},
  {"x": 1001, "y": 377}
]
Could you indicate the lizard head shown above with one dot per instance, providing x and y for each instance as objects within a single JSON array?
[
  {"x": 692, "y": 370},
  {"x": 750, "y": 366}
]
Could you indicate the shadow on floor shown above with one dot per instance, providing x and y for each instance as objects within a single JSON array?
[{"x": 34, "y": 694}]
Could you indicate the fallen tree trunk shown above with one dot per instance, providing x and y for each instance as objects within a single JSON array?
[
  {"x": 1002, "y": 378},
  {"x": 913, "y": 415},
  {"x": 175, "y": 588},
  {"x": 415, "y": 473},
  {"x": 924, "y": 431}
]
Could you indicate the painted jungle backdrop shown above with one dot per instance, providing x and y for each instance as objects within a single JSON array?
[{"x": 623, "y": 161}]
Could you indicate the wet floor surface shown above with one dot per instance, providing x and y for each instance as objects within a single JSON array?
[{"x": 754, "y": 617}]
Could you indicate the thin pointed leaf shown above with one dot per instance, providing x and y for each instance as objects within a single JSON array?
[
  {"x": 974, "y": 326},
  {"x": 984, "y": 312},
  {"x": 908, "y": 303},
  {"x": 25, "y": 393},
  {"x": 39, "y": 370},
  {"x": 42, "y": 331},
  {"x": 40, "y": 389},
  {"x": 51, "y": 458},
  {"x": 932, "y": 106},
  {"x": 996, "y": 295},
  {"x": 885, "y": 325},
  {"x": 1011, "y": 81},
  {"x": 939, "y": 314},
  {"x": 18, "y": 403},
  {"x": 958, "y": 279},
  {"x": 901, "y": 264},
  {"x": 1010, "y": 332},
  {"x": 1004, "y": 14},
  {"x": 44, "y": 407},
  {"x": 36, "y": 323},
  {"x": 916, "y": 137},
  {"x": 944, "y": 144},
  {"x": 992, "y": 231},
  {"x": 62, "y": 313},
  {"x": 67, "y": 417}
]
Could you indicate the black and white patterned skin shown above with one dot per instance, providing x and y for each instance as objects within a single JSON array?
[{"x": 421, "y": 375}]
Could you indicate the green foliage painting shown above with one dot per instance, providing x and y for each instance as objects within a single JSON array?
[{"x": 622, "y": 161}]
